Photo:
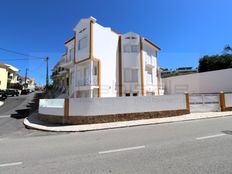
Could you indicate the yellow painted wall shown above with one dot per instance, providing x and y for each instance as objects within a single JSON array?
[{"x": 3, "y": 78}]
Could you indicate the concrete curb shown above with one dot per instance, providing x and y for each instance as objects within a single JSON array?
[{"x": 32, "y": 123}]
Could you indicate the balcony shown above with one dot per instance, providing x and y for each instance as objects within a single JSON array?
[
  {"x": 149, "y": 60},
  {"x": 88, "y": 81},
  {"x": 149, "y": 79}
]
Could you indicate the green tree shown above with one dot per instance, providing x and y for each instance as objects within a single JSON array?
[{"x": 215, "y": 62}]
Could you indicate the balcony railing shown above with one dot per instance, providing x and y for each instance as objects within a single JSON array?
[
  {"x": 149, "y": 79},
  {"x": 94, "y": 80},
  {"x": 88, "y": 81},
  {"x": 149, "y": 60}
]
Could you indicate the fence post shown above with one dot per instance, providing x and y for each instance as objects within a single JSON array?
[
  {"x": 66, "y": 107},
  {"x": 187, "y": 102},
  {"x": 222, "y": 101}
]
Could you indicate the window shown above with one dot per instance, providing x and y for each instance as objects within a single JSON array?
[
  {"x": 134, "y": 48},
  {"x": 71, "y": 54},
  {"x": 67, "y": 81},
  {"x": 149, "y": 77},
  {"x": 131, "y": 75},
  {"x": 82, "y": 43},
  {"x": 131, "y": 48},
  {"x": 130, "y": 37},
  {"x": 127, "y": 94},
  {"x": 155, "y": 53},
  {"x": 95, "y": 70},
  {"x": 72, "y": 78},
  {"x": 127, "y": 48}
]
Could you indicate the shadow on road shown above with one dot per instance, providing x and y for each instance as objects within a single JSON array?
[
  {"x": 31, "y": 107},
  {"x": 228, "y": 132}
]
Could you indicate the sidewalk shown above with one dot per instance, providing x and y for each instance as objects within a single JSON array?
[{"x": 34, "y": 123}]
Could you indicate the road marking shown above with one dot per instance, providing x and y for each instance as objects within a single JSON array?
[
  {"x": 11, "y": 164},
  {"x": 122, "y": 149},
  {"x": 5, "y": 116},
  {"x": 211, "y": 136}
]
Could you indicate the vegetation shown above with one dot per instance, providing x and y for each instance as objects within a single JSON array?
[{"x": 216, "y": 62}]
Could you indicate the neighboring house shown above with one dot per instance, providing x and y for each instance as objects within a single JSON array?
[
  {"x": 165, "y": 72},
  {"x": 186, "y": 70},
  {"x": 8, "y": 75},
  {"x": 103, "y": 63},
  {"x": 179, "y": 71},
  {"x": 3, "y": 76},
  {"x": 60, "y": 77},
  {"x": 30, "y": 82}
]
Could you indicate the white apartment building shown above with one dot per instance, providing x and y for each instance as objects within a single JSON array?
[{"x": 103, "y": 63}]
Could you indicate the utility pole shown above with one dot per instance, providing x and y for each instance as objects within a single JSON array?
[
  {"x": 47, "y": 79},
  {"x": 26, "y": 76}
]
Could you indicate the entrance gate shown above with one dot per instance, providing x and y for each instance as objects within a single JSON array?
[{"x": 204, "y": 102}]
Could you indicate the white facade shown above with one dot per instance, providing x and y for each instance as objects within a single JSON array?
[
  {"x": 108, "y": 64},
  {"x": 139, "y": 69}
]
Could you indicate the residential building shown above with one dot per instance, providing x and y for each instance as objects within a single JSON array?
[
  {"x": 103, "y": 63},
  {"x": 179, "y": 71},
  {"x": 30, "y": 82},
  {"x": 3, "y": 76},
  {"x": 8, "y": 75},
  {"x": 186, "y": 70},
  {"x": 60, "y": 77}
]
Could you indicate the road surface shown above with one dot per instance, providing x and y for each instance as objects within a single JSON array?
[
  {"x": 202, "y": 146},
  {"x": 12, "y": 113}
]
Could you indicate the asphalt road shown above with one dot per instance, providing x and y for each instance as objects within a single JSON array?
[
  {"x": 12, "y": 113},
  {"x": 203, "y": 146}
]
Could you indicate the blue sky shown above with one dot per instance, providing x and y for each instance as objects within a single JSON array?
[{"x": 185, "y": 30}]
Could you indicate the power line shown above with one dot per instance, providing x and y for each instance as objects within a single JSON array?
[
  {"x": 21, "y": 59},
  {"x": 28, "y": 56},
  {"x": 19, "y": 53}
]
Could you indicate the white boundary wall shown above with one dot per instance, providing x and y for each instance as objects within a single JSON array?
[
  {"x": 228, "y": 100},
  {"x": 208, "y": 82},
  {"x": 119, "y": 105},
  {"x": 51, "y": 107}
]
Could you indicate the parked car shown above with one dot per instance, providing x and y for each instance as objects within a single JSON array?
[
  {"x": 12, "y": 92},
  {"x": 3, "y": 96},
  {"x": 31, "y": 90},
  {"x": 25, "y": 91}
]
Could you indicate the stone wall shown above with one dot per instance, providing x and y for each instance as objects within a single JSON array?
[{"x": 74, "y": 120}]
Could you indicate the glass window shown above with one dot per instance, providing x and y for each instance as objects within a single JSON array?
[
  {"x": 95, "y": 70},
  {"x": 131, "y": 75},
  {"x": 131, "y": 48},
  {"x": 134, "y": 48},
  {"x": 82, "y": 43},
  {"x": 71, "y": 54},
  {"x": 127, "y": 48},
  {"x": 134, "y": 75}
]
